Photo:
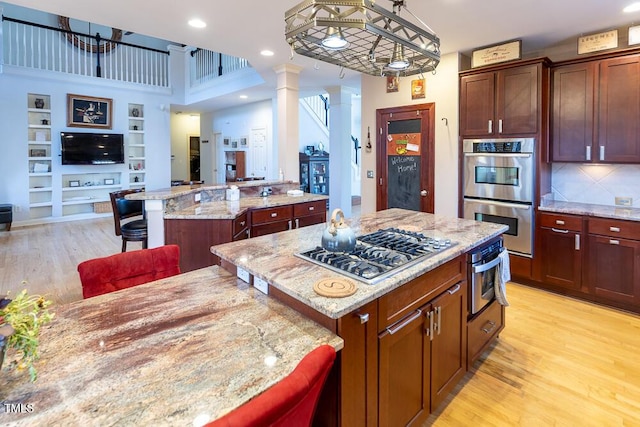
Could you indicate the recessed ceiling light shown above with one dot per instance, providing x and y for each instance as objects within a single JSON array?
[
  {"x": 633, "y": 7},
  {"x": 243, "y": 96},
  {"x": 266, "y": 53},
  {"x": 197, "y": 23}
]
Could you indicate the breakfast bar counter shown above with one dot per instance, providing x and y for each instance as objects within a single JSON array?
[{"x": 178, "y": 351}]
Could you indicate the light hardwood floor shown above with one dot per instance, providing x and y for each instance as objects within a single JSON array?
[{"x": 559, "y": 361}]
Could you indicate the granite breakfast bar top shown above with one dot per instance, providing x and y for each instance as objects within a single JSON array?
[
  {"x": 178, "y": 351},
  {"x": 229, "y": 209},
  {"x": 271, "y": 257}
]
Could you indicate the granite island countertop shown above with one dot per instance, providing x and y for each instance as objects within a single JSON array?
[
  {"x": 181, "y": 190},
  {"x": 272, "y": 258},
  {"x": 190, "y": 347},
  {"x": 587, "y": 209},
  {"x": 226, "y": 209}
]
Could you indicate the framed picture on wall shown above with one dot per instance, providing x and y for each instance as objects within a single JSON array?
[
  {"x": 244, "y": 141},
  {"x": 225, "y": 141},
  {"x": 90, "y": 112},
  {"x": 234, "y": 143}
]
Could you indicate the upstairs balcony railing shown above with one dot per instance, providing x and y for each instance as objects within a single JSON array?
[
  {"x": 207, "y": 65},
  {"x": 42, "y": 47}
]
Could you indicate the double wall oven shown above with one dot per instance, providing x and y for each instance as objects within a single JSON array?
[{"x": 499, "y": 186}]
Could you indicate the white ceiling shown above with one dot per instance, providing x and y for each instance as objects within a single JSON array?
[{"x": 244, "y": 28}]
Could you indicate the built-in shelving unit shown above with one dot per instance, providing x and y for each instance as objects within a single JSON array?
[
  {"x": 39, "y": 155},
  {"x": 82, "y": 191},
  {"x": 136, "y": 146}
]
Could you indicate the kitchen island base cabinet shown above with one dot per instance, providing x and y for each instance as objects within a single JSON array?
[
  {"x": 483, "y": 329},
  {"x": 561, "y": 245}
]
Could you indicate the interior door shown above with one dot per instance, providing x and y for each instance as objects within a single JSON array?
[{"x": 405, "y": 162}]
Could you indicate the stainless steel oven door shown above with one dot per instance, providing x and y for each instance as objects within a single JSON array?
[
  {"x": 483, "y": 278},
  {"x": 517, "y": 216},
  {"x": 504, "y": 176}
]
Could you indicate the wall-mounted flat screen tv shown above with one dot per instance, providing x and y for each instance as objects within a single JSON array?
[{"x": 83, "y": 148}]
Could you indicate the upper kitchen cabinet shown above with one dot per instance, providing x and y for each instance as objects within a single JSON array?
[
  {"x": 502, "y": 101},
  {"x": 596, "y": 104}
]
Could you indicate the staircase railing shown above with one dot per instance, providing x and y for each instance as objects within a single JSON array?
[
  {"x": 42, "y": 47},
  {"x": 320, "y": 106}
]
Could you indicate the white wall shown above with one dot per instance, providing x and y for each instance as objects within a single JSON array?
[
  {"x": 237, "y": 122},
  {"x": 182, "y": 126},
  {"x": 442, "y": 89},
  {"x": 15, "y": 84}
]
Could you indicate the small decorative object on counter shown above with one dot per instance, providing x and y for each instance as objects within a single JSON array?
[
  {"x": 25, "y": 314},
  {"x": 39, "y": 103}
]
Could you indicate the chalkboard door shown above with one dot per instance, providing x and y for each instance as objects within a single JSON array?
[{"x": 405, "y": 153}]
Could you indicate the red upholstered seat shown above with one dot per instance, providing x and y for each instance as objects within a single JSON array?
[
  {"x": 291, "y": 402},
  {"x": 124, "y": 270}
]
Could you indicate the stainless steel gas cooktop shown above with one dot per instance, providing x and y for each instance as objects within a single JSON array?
[{"x": 379, "y": 255}]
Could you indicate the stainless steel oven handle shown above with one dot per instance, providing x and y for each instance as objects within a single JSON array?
[
  {"x": 501, "y": 204},
  {"x": 488, "y": 266},
  {"x": 510, "y": 155}
]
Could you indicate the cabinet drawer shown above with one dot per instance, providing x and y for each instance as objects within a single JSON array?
[
  {"x": 267, "y": 215},
  {"x": 482, "y": 329},
  {"x": 615, "y": 228},
  {"x": 240, "y": 223},
  {"x": 564, "y": 222},
  {"x": 410, "y": 296},
  {"x": 309, "y": 208}
]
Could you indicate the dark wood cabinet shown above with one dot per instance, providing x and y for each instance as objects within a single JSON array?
[
  {"x": 504, "y": 102},
  {"x": 271, "y": 220},
  {"x": 614, "y": 260},
  {"x": 595, "y": 108},
  {"x": 483, "y": 329},
  {"x": 619, "y": 109},
  {"x": 573, "y": 105},
  {"x": 421, "y": 344},
  {"x": 314, "y": 173},
  {"x": 195, "y": 238},
  {"x": 309, "y": 213},
  {"x": 562, "y": 247}
]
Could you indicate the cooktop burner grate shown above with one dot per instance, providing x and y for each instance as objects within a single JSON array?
[{"x": 379, "y": 255}]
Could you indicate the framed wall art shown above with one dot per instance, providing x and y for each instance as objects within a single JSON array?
[
  {"x": 418, "y": 89},
  {"x": 393, "y": 83},
  {"x": 90, "y": 112}
]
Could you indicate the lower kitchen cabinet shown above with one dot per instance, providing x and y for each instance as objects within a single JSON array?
[
  {"x": 423, "y": 355},
  {"x": 309, "y": 213},
  {"x": 271, "y": 220},
  {"x": 482, "y": 329},
  {"x": 561, "y": 246},
  {"x": 614, "y": 260}
]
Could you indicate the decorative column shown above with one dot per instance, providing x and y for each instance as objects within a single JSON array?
[
  {"x": 288, "y": 121},
  {"x": 340, "y": 149}
]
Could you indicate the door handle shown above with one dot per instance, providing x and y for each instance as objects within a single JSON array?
[
  {"x": 559, "y": 231},
  {"x": 588, "y": 155},
  {"x": 500, "y": 126},
  {"x": 364, "y": 318},
  {"x": 602, "y": 152},
  {"x": 438, "y": 324},
  {"x": 297, "y": 222},
  {"x": 577, "y": 242},
  {"x": 395, "y": 328},
  {"x": 424, "y": 193},
  {"x": 455, "y": 289},
  {"x": 486, "y": 329},
  {"x": 501, "y": 204},
  {"x": 490, "y": 127}
]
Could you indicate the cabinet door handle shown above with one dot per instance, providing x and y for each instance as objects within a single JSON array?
[
  {"x": 274, "y": 214},
  {"x": 312, "y": 208},
  {"x": 614, "y": 229},
  {"x": 438, "y": 325},
  {"x": 364, "y": 318},
  {"x": 290, "y": 225},
  {"x": 588, "y": 152},
  {"x": 614, "y": 242},
  {"x": 559, "y": 222},
  {"x": 395, "y": 328},
  {"x": 297, "y": 222},
  {"x": 577, "y": 242},
  {"x": 490, "y": 127},
  {"x": 602, "y": 152},
  {"x": 559, "y": 231},
  {"x": 455, "y": 289},
  {"x": 430, "y": 316},
  {"x": 487, "y": 330},
  {"x": 242, "y": 223},
  {"x": 500, "y": 126}
]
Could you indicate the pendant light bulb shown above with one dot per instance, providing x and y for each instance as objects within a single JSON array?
[
  {"x": 398, "y": 61},
  {"x": 334, "y": 39}
]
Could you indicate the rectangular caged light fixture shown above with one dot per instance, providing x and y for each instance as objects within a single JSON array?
[{"x": 362, "y": 36}]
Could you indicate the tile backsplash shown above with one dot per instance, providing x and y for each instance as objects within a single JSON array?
[{"x": 597, "y": 184}]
